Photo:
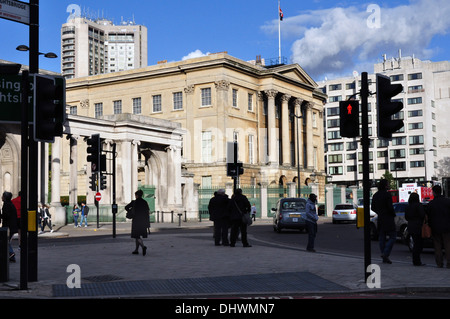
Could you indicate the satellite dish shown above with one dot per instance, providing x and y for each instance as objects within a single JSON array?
[{"x": 355, "y": 74}]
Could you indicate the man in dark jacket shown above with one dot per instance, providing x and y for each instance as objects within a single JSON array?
[
  {"x": 238, "y": 205},
  {"x": 438, "y": 213},
  {"x": 218, "y": 213},
  {"x": 9, "y": 219},
  {"x": 382, "y": 205}
]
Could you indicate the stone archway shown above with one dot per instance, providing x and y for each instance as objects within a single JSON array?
[{"x": 9, "y": 164}]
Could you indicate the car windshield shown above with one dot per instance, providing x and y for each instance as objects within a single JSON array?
[
  {"x": 344, "y": 206},
  {"x": 295, "y": 205}
]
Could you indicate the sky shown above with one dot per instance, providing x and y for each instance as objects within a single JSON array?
[{"x": 328, "y": 39}]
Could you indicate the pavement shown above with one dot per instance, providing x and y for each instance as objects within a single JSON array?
[{"x": 189, "y": 265}]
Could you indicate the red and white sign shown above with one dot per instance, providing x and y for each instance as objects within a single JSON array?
[{"x": 98, "y": 197}]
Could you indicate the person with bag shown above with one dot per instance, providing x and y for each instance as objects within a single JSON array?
[
  {"x": 46, "y": 218},
  {"x": 382, "y": 205},
  {"x": 415, "y": 215},
  {"x": 76, "y": 214},
  {"x": 311, "y": 221},
  {"x": 139, "y": 211},
  {"x": 438, "y": 214},
  {"x": 238, "y": 206}
]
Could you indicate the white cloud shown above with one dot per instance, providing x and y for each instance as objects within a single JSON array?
[
  {"x": 195, "y": 54},
  {"x": 335, "y": 41}
]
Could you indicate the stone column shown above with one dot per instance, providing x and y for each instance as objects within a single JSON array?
[
  {"x": 73, "y": 182},
  {"x": 220, "y": 133},
  {"x": 271, "y": 129},
  {"x": 134, "y": 166},
  {"x": 285, "y": 138},
  {"x": 309, "y": 137},
  {"x": 125, "y": 171},
  {"x": 59, "y": 212},
  {"x": 263, "y": 198},
  {"x": 298, "y": 129},
  {"x": 189, "y": 137},
  {"x": 262, "y": 132}
]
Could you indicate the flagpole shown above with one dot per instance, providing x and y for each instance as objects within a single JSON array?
[{"x": 279, "y": 33}]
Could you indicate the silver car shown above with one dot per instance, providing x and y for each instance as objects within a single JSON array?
[
  {"x": 289, "y": 214},
  {"x": 344, "y": 212}
]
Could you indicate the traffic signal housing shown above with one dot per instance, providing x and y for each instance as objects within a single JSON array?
[
  {"x": 386, "y": 107},
  {"x": 94, "y": 152},
  {"x": 102, "y": 182},
  {"x": 48, "y": 107},
  {"x": 93, "y": 182},
  {"x": 349, "y": 118}
]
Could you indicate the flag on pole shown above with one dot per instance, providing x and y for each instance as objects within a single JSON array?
[{"x": 281, "y": 14}]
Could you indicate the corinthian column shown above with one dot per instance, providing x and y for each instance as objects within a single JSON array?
[
  {"x": 285, "y": 138},
  {"x": 271, "y": 130},
  {"x": 309, "y": 136}
]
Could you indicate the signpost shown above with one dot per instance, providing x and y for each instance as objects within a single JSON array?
[
  {"x": 98, "y": 197},
  {"x": 14, "y": 10}
]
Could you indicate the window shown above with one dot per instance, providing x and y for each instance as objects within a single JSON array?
[
  {"x": 350, "y": 86},
  {"x": 157, "y": 107},
  {"x": 416, "y": 151},
  {"x": 400, "y": 153},
  {"x": 414, "y": 76},
  {"x": 206, "y": 181},
  {"x": 98, "y": 109},
  {"x": 415, "y": 113},
  {"x": 73, "y": 110},
  {"x": 351, "y": 168},
  {"x": 250, "y": 102},
  {"x": 398, "y": 77},
  {"x": 117, "y": 105},
  {"x": 415, "y": 89},
  {"x": 235, "y": 98},
  {"x": 352, "y": 146},
  {"x": 415, "y": 100},
  {"x": 399, "y": 141},
  {"x": 335, "y": 98},
  {"x": 415, "y": 126},
  {"x": 417, "y": 164},
  {"x": 206, "y": 147},
  {"x": 335, "y": 170},
  {"x": 335, "y": 158},
  {"x": 398, "y": 166},
  {"x": 335, "y": 87},
  {"x": 382, "y": 154},
  {"x": 333, "y": 135},
  {"x": 351, "y": 156},
  {"x": 332, "y": 111},
  {"x": 336, "y": 147},
  {"x": 333, "y": 123},
  {"x": 178, "y": 101},
  {"x": 415, "y": 140},
  {"x": 206, "y": 97},
  {"x": 250, "y": 149},
  {"x": 137, "y": 109}
]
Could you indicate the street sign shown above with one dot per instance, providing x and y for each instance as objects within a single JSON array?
[
  {"x": 11, "y": 97},
  {"x": 14, "y": 10},
  {"x": 98, "y": 197}
]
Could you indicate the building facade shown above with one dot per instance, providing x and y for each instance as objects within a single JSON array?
[
  {"x": 415, "y": 152},
  {"x": 219, "y": 99},
  {"x": 97, "y": 47}
]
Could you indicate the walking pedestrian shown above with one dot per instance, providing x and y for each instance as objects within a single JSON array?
[
  {"x": 9, "y": 220},
  {"x": 17, "y": 202},
  {"x": 46, "y": 218},
  {"x": 438, "y": 214},
  {"x": 415, "y": 215},
  {"x": 311, "y": 221},
  {"x": 139, "y": 212},
  {"x": 218, "y": 213},
  {"x": 84, "y": 214},
  {"x": 237, "y": 206},
  {"x": 382, "y": 205},
  {"x": 75, "y": 213},
  {"x": 253, "y": 212}
]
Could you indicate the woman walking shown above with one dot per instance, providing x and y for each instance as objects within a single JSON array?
[
  {"x": 415, "y": 215},
  {"x": 139, "y": 212},
  {"x": 311, "y": 221}
]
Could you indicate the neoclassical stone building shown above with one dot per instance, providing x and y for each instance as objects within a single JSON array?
[{"x": 215, "y": 99}]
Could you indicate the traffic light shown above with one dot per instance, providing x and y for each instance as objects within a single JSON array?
[
  {"x": 48, "y": 107},
  {"x": 93, "y": 182},
  {"x": 386, "y": 107},
  {"x": 102, "y": 182},
  {"x": 232, "y": 169},
  {"x": 94, "y": 152},
  {"x": 349, "y": 118}
]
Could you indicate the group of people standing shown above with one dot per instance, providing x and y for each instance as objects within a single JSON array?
[
  {"x": 226, "y": 214},
  {"x": 83, "y": 213},
  {"x": 437, "y": 215}
]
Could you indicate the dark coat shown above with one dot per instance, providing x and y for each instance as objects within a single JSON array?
[
  {"x": 9, "y": 217},
  {"x": 218, "y": 207},
  {"x": 382, "y": 205},
  {"x": 141, "y": 220},
  {"x": 415, "y": 215},
  {"x": 438, "y": 213},
  {"x": 241, "y": 202}
]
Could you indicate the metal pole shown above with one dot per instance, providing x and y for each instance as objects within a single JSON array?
[
  {"x": 366, "y": 177},
  {"x": 236, "y": 177},
  {"x": 114, "y": 206}
]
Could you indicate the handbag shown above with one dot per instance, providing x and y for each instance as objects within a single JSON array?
[
  {"x": 426, "y": 230},
  {"x": 246, "y": 219},
  {"x": 130, "y": 213}
]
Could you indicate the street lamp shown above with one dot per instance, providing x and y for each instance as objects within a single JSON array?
[
  {"x": 298, "y": 152},
  {"x": 24, "y": 48}
]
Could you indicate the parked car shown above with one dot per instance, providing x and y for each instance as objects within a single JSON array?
[
  {"x": 361, "y": 205},
  {"x": 289, "y": 214},
  {"x": 344, "y": 212},
  {"x": 401, "y": 226}
]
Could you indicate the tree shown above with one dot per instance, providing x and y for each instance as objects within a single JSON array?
[{"x": 391, "y": 180}]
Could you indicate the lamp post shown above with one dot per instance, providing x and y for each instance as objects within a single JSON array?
[{"x": 298, "y": 152}]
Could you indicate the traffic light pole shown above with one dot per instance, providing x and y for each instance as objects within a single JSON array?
[{"x": 365, "y": 142}]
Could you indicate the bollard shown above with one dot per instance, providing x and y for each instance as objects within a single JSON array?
[
  {"x": 179, "y": 219},
  {"x": 171, "y": 216},
  {"x": 4, "y": 255}
]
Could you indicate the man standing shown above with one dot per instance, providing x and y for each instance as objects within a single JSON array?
[
  {"x": 382, "y": 205},
  {"x": 438, "y": 213},
  {"x": 84, "y": 214},
  {"x": 218, "y": 213}
]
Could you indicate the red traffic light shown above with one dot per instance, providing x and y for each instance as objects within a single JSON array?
[{"x": 349, "y": 118}]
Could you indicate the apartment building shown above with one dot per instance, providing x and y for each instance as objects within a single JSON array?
[
  {"x": 416, "y": 152},
  {"x": 96, "y": 47}
]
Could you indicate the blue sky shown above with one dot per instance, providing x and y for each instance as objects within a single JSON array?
[{"x": 327, "y": 38}]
